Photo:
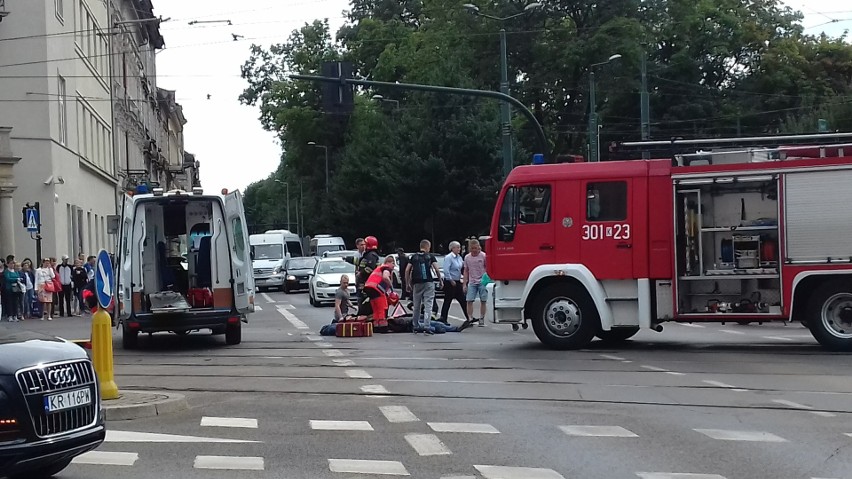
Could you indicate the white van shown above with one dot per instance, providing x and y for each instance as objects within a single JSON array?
[
  {"x": 184, "y": 264},
  {"x": 270, "y": 251},
  {"x": 324, "y": 243}
]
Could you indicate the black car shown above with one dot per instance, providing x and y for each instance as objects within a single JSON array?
[
  {"x": 296, "y": 273},
  {"x": 50, "y": 405}
]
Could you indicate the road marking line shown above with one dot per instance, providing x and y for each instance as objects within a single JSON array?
[
  {"x": 654, "y": 368},
  {"x": 323, "y": 345},
  {"x": 427, "y": 445},
  {"x": 374, "y": 389},
  {"x": 614, "y": 358},
  {"x": 332, "y": 352},
  {"x": 355, "y": 466},
  {"x": 229, "y": 422},
  {"x": 718, "y": 384},
  {"x": 398, "y": 414},
  {"x": 626, "y": 361},
  {"x": 675, "y": 373},
  {"x": 314, "y": 338},
  {"x": 458, "y": 477},
  {"x": 804, "y": 407},
  {"x": 341, "y": 425},
  {"x": 298, "y": 323},
  {"x": 267, "y": 298},
  {"x": 751, "y": 436},
  {"x": 289, "y": 306},
  {"x": 597, "y": 431},
  {"x": 731, "y": 331},
  {"x": 503, "y": 472},
  {"x": 463, "y": 427},
  {"x": 778, "y": 338},
  {"x": 343, "y": 362},
  {"x": 231, "y": 463},
  {"x": 258, "y": 308},
  {"x": 129, "y": 436},
  {"x": 358, "y": 374},
  {"x": 677, "y": 475},
  {"x": 690, "y": 325},
  {"x": 104, "y": 458}
]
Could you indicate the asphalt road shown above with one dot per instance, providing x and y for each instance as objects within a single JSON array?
[{"x": 715, "y": 401}]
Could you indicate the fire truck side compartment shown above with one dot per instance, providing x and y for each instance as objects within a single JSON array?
[{"x": 817, "y": 215}]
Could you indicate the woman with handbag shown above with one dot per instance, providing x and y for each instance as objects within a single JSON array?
[{"x": 45, "y": 288}]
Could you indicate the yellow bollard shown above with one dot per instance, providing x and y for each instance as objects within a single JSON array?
[{"x": 102, "y": 353}]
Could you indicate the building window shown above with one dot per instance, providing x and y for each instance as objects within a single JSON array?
[
  {"x": 606, "y": 201},
  {"x": 60, "y": 9},
  {"x": 63, "y": 113}
]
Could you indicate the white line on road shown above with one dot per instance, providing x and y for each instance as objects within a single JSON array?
[
  {"x": 675, "y": 373},
  {"x": 731, "y": 331},
  {"x": 267, "y": 298},
  {"x": 398, "y": 414},
  {"x": 503, "y": 472},
  {"x": 802, "y": 406},
  {"x": 358, "y": 374},
  {"x": 718, "y": 384},
  {"x": 323, "y": 345},
  {"x": 229, "y": 422},
  {"x": 298, "y": 323},
  {"x": 374, "y": 389},
  {"x": 614, "y": 358},
  {"x": 463, "y": 427},
  {"x": 677, "y": 475},
  {"x": 230, "y": 463},
  {"x": 314, "y": 338},
  {"x": 258, "y": 308},
  {"x": 332, "y": 352},
  {"x": 104, "y": 458},
  {"x": 355, "y": 466},
  {"x": 751, "y": 436},
  {"x": 343, "y": 362},
  {"x": 341, "y": 425},
  {"x": 597, "y": 431},
  {"x": 427, "y": 445},
  {"x": 778, "y": 338},
  {"x": 690, "y": 325},
  {"x": 129, "y": 436},
  {"x": 654, "y": 368}
]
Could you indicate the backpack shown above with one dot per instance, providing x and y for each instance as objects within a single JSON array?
[{"x": 421, "y": 268}]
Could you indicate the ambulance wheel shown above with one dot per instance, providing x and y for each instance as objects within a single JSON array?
[
  {"x": 564, "y": 316},
  {"x": 234, "y": 333},
  {"x": 830, "y": 315},
  {"x": 129, "y": 337},
  {"x": 617, "y": 335}
]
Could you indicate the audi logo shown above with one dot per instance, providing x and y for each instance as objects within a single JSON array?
[{"x": 62, "y": 376}]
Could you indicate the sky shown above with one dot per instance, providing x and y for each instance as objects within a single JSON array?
[{"x": 203, "y": 59}]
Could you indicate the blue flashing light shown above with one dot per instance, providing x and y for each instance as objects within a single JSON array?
[
  {"x": 538, "y": 159},
  {"x": 142, "y": 189}
]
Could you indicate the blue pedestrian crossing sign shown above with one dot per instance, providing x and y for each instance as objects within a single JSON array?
[
  {"x": 32, "y": 220},
  {"x": 103, "y": 279}
]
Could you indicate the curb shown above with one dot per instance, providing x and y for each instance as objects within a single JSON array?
[{"x": 153, "y": 403}]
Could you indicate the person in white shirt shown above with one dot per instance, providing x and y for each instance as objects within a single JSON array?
[
  {"x": 45, "y": 275},
  {"x": 65, "y": 271}
]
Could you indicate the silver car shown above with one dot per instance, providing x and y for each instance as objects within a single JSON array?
[{"x": 325, "y": 279}]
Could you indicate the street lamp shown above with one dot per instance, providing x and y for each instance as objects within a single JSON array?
[
  {"x": 505, "y": 112},
  {"x": 287, "y": 185},
  {"x": 594, "y": 143},
  {"x": 381, "y": 98},
  {"x": 315, "y": 145}
]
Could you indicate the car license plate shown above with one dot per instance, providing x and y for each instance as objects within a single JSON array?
[{"x": 67, "y": 400}]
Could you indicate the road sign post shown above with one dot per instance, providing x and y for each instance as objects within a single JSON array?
[{"x": 102, "y": 355}]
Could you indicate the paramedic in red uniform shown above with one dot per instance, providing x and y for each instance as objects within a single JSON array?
[{"x": 378, "y": 284}]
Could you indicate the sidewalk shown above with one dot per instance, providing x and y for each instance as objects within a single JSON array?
[{"x": 133, "y": 404}]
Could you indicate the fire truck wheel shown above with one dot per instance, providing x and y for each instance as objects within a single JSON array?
[
  {"x": 234, "y": 333},
  {"x": 565, "y": 317},
  {"x": 617, "y": 335},
  {"x": 830, "y": 315}
]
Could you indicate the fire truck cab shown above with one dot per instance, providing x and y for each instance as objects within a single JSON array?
[{"x": 742, "y": 235}]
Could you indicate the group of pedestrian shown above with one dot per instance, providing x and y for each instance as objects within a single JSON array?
[
  {"x": 30, "y": 292},
  {"x": 420, "y": 277}
]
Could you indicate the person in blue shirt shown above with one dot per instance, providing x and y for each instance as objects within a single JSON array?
[{"x": 453, "y": 287}]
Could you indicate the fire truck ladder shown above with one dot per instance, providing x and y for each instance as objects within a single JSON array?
[{"x": 739, "y": 149}]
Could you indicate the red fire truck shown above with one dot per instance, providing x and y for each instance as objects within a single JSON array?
[{"x": 742, "y": 234}]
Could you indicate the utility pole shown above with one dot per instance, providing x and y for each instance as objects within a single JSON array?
[
  {"x": 645, "y": 105},
  {"x": 505, "y": 111},
  {"x": 593, "y": 120}
]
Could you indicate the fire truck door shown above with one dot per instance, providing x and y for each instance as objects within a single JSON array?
[
  {"x": 606, "y": 231},
  {"x": 525, "y": 236}
]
